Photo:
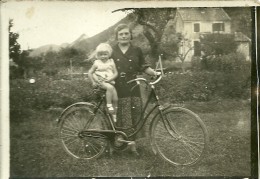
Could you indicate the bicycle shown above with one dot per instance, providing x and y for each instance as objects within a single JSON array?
[{"x": 177, "y": 134}]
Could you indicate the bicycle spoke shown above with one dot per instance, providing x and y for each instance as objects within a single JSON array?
[
  {"x": 93, "y": 147},
  {"x": 194, "y": 137},
  {"x": 71, "y": 125},
  {"x": 193, "y": 142},
  {"x": 82, "y": 119},
  {"x": 193, "y": 148},
  {"x": 68, "y": 135},
  {"x": 69, "y": 130},
  {"x": 71, "y": 141},
  {"x": 164, "y": 137},
  {"x": 187, "y": 147},
  {"x": 181, "y": 138},
  {"x": 75, "y": 120}
]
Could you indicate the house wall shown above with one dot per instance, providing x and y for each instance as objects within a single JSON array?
[
  {"x": 205, "y": 27},
  {"x": 187, "y": 29},
  {"x": 243, "y": 48},
  {"x": 179, "y": 23}
]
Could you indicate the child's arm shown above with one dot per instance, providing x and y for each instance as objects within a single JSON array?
[
  {"x": 91, "y": 72},
  {"x": 115, "y": 73}
]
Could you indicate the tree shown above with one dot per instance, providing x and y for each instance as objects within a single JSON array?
[
  {"x": 72, "y": 54},
  {"x": 14, "y": 53},
  {"x": 218, "y": 44},
  {"x": 176, "y": 46},
  {"x": 186, "y": 47},
  {"x": 14, "y": 46},
  {"x": 241, "y": 19},
  {"x": 214, "y": 46},
  {"x": 30, "y": 65},
  {"x": 153, "y": 21}
]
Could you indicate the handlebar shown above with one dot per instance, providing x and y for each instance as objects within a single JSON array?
[
  {"x": 144, "y": 80},
  {"x": 159, "y": 77}
]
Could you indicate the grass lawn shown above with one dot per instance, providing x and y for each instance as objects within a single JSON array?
[{"x": 37, "y": 152}]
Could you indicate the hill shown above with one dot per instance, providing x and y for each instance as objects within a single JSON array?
[
  {"x": 88, "y": 44},
  {"x": 239, "y": 16},
  {"x": 43, "y": 49}
]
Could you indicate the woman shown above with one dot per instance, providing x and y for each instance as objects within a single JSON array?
[{"x": 129, "y": 62}]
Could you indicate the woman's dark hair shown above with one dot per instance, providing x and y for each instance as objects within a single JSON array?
[{"x": 120, "y": 27}]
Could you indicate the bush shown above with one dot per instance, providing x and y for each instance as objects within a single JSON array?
[
  {"x": 195, "y": 86},
  {"x": 184, "y": 87},
  {"x": 204, "y": 86},
  {"x": 230, "y": 63},
  {"x": 46, "y": 93},
  {"x": 218, "y": 43}
]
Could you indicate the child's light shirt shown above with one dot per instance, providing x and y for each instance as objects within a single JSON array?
[{"x": 104, "y": 69}]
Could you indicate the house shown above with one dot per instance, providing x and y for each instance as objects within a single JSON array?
[
  {"x": 243, "y": 43},
  {"x": 192, "y": 22}
]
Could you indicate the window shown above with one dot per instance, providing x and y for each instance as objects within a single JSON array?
[
  {"x": 196, "y": 27},
  {"x": 216, "y": 27}
]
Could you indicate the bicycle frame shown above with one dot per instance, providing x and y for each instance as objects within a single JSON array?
[{"x": 142, "y": 119}]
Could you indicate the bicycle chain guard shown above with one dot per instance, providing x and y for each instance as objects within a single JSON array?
[{"x": 110, "y": 135}]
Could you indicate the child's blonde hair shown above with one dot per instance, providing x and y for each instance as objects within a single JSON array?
[{"x": 104, "y": 47}]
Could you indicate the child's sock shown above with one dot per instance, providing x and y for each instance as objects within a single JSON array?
[
  {"x": 114, "y": 117},
  {"x": 110, "y": 108}
]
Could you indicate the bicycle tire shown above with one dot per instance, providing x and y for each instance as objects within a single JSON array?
[
  {"x": 75, "y": 119},
  {"x": 187, "y": 145}
]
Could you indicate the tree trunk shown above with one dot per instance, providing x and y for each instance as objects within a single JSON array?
[{"x": 182, "y": 66}]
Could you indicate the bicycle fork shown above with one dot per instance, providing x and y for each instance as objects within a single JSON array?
[{"x": 169, "y": 127}]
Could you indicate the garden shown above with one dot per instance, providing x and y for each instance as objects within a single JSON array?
[{"x": 221, "y": 99}]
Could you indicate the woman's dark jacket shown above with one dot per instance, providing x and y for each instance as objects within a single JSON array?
[{"x": 128, "y": 66}]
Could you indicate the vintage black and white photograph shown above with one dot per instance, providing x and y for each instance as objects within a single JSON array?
[{"x": 103, "y": 89}]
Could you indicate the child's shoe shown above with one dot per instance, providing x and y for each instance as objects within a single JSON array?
[{"x": 110, "y": 108}]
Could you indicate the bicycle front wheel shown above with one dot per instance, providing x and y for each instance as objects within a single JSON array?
[
  {"x": 77, "y": 119},
  {"x": 181, "y": 138}
]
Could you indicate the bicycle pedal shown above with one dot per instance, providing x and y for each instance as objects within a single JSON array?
[
  {"x": 127, "y": 141},
  {"x": 131, "y": 143}
]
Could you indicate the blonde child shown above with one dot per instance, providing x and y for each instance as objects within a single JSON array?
[{"x": 103, "y": 73}]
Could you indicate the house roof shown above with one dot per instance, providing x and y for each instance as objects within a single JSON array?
[
  {"x": 203, "y": 14},
  {"x": 240, "y": 37}
]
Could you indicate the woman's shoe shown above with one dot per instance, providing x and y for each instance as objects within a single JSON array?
[{"x": 133, "y": 149}]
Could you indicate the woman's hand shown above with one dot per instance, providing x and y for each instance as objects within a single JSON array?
[
  {"x": 158, "y": 73},
  {"x": 151, "y": 72}
]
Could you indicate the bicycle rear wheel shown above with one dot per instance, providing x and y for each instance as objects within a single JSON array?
[
  {"x": 79, "y": 118},
  {"x": 182, "y": 139}
]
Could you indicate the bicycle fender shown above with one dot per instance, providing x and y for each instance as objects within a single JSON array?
[{"x": 75, "y": 104}]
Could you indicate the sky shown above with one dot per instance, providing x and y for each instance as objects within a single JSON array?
[
  {"x": 55, "y": 22},
  {"x": 42, "y": 23}
]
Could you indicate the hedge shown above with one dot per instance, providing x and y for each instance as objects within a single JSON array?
[{"x": 192, "y": 86}]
